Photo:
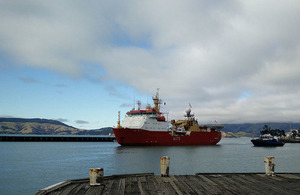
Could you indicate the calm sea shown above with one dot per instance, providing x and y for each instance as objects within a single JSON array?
[{"x": 26, "y": 167}]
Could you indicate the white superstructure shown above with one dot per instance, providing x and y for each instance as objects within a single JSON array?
[{"x": 145, "y": 122}]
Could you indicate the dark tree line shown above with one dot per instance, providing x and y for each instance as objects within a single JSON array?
[{"x": 274, "y": 132}]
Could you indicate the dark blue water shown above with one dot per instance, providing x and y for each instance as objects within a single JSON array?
[{"x": 26, "y": 167}]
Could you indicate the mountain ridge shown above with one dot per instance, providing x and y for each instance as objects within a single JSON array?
[
  {"x": 32, "y": 120},
  {"x": 54, "y": 127},
  {"x": 44, "y": 127}
]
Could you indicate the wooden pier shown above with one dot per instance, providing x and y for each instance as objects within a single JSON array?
[{"x": 200, "y": 183}]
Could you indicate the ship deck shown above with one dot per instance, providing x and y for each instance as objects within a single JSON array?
[{"x": 200, "y": 183}]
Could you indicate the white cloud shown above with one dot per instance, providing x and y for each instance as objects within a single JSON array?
[
  {"x": 81, "y": 122},
  {"x": 204, "y": 52}
]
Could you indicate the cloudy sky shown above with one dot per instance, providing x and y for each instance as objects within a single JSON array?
[{"x": 81, "y": 62}]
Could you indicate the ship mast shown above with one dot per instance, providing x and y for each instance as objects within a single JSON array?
[
  {"x": 156, "y": 101},
  {"x": 119, "y": 121}
]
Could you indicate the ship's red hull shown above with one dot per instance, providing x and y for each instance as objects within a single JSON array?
[{"x": 126, "y": 137}]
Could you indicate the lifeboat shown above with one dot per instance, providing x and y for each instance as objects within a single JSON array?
[{"x": 161, "y": 118}]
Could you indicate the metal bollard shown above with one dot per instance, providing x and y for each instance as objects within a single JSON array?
[
  {"x": 96, "y": 176},
  {"x": 270, "y": 165},
  {"x": 164, "y": 166}
]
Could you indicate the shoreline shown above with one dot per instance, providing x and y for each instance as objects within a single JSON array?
[{"x": 55, "y": 138}]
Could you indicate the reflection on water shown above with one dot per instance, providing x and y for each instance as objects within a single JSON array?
[
  {"x": 29, "y": 166},
  {"x": 230, "y": 155}
]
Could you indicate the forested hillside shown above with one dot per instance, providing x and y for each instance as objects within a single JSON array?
[{"x": 44, "y": 127}]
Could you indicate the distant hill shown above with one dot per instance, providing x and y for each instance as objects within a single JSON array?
[
  {"x": 44, "y": 127},
  {"x": 102, "y": 131},
  {"x": 54, "y": 127},
  {"x": 32, "y": 120}
]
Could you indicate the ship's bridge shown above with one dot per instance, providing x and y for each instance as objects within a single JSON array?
[
  {"x": 143, "y": 112},
  {"x": 146, "y": 120}
]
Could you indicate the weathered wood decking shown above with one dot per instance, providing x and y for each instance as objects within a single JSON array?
[{"x": 213, "y": 183}]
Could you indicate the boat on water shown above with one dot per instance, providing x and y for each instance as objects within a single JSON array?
[
  {"x": 269, "y": 137},
  {"x": 150, "y": 127},
  {"x": 267, "y": 140},
  {"x": 292, "y": 137}
]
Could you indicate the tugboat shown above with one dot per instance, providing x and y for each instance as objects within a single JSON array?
[
  {"x": 150, "y": 127},
  {"x": 269, "y": 137}
]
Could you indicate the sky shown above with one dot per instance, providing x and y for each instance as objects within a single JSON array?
[{"x": 80, "y": 62}]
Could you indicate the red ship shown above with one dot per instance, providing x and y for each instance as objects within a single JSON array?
[{"x": 150, "y": 127}]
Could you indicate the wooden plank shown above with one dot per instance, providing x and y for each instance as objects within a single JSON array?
[
  {"x": 206, "y": 188},
  {"x": 270, "y": 185},
  {"x": 54, "y": 187},
  {"x": 171, "y": 181},
  {"x": 56, "y": 192},
  {"x": 134, "y": 186},
  {"x": 264, "y": 184},
  {"x": 142, "y": 182},
  {"x": 121, "y": 186},
  {"x": 114, "y": 189},
  {"x": 114, "y": 185},
  {"x": 192, "y": 181},
  {"x": 207, "y": 185},
  {"x": 95, "y": 190},
  {"x": 78, "y": 188},
  {"x": 67, "y": 189},
  {"x": 150, "y": 185},
  {"x": 210, "y": 186},
  {"x": 166, "y": 184},
  {"x": 128, "y": 175},
  {"x": 289, "y": 183},
  {"x": 142, "y": 179},
  {"x": 128, "y": 185},
  {"x": 243, "y": 187},
  {"x": 226, "y": 187},
  {"x": 181, "y": 185},
  {"x": 208, "y": 181},
  {"x": 135, "y": 183},
  {"x": 83, "y": 189},
  {"x": 246, "y": 180},
  {"x": 184, "y": 188},
  {"x": 275, "y": 178},
  {"x": 164, "y": 187},
  {"x": 141, "y": 188},
  {"x": 107, "y": 187},
  {"x": 288, "y": 176}
]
